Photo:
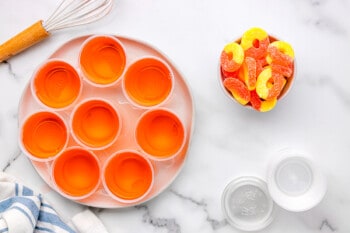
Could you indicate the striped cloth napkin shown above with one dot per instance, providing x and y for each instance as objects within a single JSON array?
[{"x": 24, "y": 211}]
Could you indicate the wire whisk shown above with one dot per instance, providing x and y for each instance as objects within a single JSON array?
[{"x": 69, "y": 13}]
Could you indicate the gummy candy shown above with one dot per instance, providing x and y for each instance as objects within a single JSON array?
[
  {"x": 260, "y": 65},
  {"x": 267, "y": 105},
  {"x": 261, "y": 105},
  {"x": 269, "y": 84},
  {"x": 283, "y": 47},
  {"x": 280, "y": 53},
  {"x": 249, "y": 72},
  {"x": 227, "y": 74},
  {"x": 283, "y": 70},
  {"x": 256, "y": 68},
  {"x": 232, "y": 57},
  {"x": 238, "y": 89},
  {"x": 281, "y": 58},
  {"x": 252, "y": 37},
  {"x": 255, "y": 42},
  {"x": 255, "y": 100}
]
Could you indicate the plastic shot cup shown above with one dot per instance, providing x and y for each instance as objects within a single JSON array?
[
  {"x": 43, "y": 136},
  {"x": 160, "y": 134},
  {"x": 56, "y": 84},
  {"x": 148, "y": 82},
  {"x": 128, "y": 176},
  {"x": 102, "y": 59},
  {"x": 95, "y": 123},
  {"x": 76, "y": 173}
]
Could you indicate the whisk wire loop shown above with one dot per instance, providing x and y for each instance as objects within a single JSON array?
[{"x": 77, "y": 12}]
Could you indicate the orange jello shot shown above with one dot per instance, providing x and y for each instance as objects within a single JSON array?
[
  {"x": 43, "y": 136},
  {"x": 128, "y": 176},
  {"x": 96, "y": 123},
  {"x": 102, "y": 59},
  {"x": 160, "y": 133},
  {"x": 148, "y": 82},
  {"x": 76, "y": 173},
  {"x": 257, "y": 70},
  {"x": 56, "y": 84}
]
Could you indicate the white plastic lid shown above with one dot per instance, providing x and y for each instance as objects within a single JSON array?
[
  {"x": 247, "y": 204},
  {"x": 294, "y": 182}
]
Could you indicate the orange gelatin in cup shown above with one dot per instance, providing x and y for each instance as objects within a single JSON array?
[
  {"x": 76, "y": 172},
  {"x": 160, "y": 133},
  {"x": 96, "y": 123},
  {"x": 128, "y": 175},
  {"x": 56, "y": 84},
  {"x": 44, "y": 135},
  {"x": 148, "y": 82},
  {"x": 102, "y": 59}
]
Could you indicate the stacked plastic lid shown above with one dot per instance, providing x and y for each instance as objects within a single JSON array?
[
  {"x": 106, "y": 121},
  {"x": 293, "y": 182}
]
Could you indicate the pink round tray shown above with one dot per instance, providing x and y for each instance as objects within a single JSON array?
[{"x": 180, "y": 103}]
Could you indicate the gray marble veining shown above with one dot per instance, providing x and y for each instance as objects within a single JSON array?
[{"x": 228, "y": 140}]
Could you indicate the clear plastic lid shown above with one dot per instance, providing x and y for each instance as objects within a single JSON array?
[{"x": 247, "y": 204}]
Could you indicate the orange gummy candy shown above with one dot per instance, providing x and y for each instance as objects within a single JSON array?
[
  {"x": 226, "y": 74},
  {"x": 269, "y": 84},
  {"x": 255, "y": 42},
  {"x": 261, "y": 105},
  {"x": 238, "y": 89},
  {"x": 278, "y": 57},
  {"x": 249, "y": 72},
  {"x": 255, "y": 100},
  {"x": 260, "y": 65},
  {"x": 267, "y": 105},
  {"x": 231, "y": 57},
  {"x": 286, "y": 71}
]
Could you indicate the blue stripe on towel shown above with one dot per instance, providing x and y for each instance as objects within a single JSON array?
[
  {"x": 27, "y": 192},
  {"x": 22, "y": 200},
  {"x": 25, "y": 213},
  {"x": 43, "y": 229},
  {"x": 54, "y": 220},
  {"x": 47, "y": 205},
  {"x": 4, "y": 205},
  {"x": 4, "y": 230},
  {"x": 16, "y": 189}
]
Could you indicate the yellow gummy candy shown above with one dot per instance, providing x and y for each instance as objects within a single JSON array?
[{"x": 251, "y": 35}]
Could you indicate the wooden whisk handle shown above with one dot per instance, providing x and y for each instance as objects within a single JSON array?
[{"x": 23, "y": 40}]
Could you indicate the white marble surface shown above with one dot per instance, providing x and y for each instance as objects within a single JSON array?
[{"x": 228, "y": 140}]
